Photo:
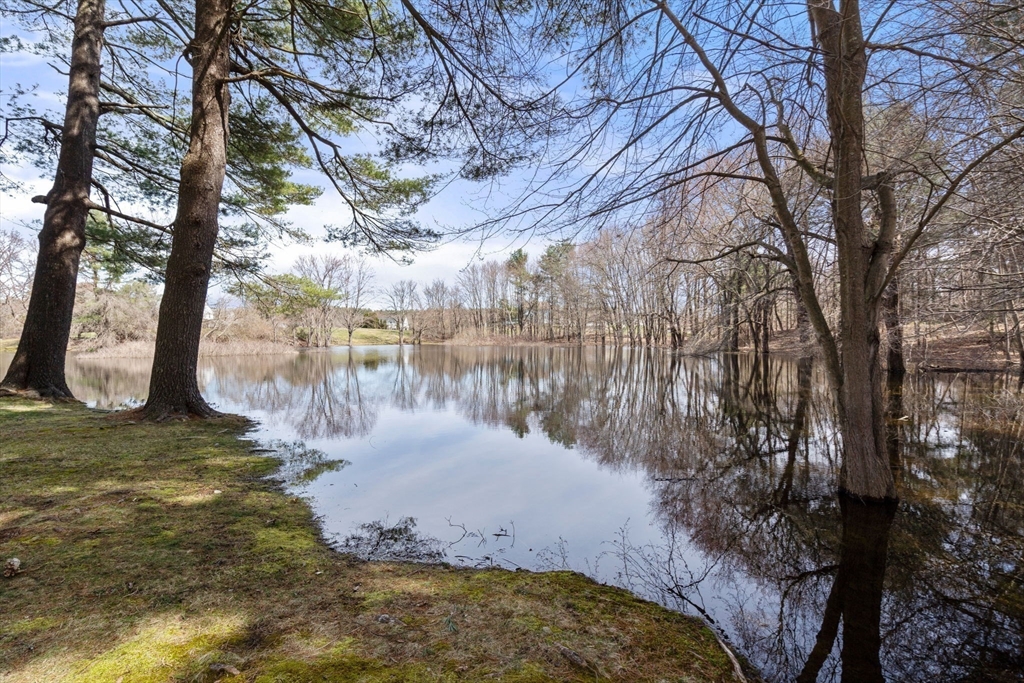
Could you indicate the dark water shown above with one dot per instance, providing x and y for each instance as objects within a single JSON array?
[{"x": 705, "y": 484}]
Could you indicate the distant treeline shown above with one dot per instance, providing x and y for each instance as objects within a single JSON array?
[{"x": 659, "y": 286}]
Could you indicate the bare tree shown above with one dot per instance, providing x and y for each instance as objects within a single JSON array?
[
  {"x": 436, "y": 300},
  {"x": 402, "y": 299},
  {"x": 328, "y": 283},
  {"x": 15, "y": 279},
  {"x": 356, "y": 295},
  {"x": 470, "y": 283},
  {"x": 680, "y": 91}
]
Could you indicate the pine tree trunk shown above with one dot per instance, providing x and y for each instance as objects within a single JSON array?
[
  {"x": 174, "y": 388},
  {"x": 38, "y": 365}
]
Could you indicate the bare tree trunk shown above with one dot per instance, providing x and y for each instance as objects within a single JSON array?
[
  {"x": 730, "y": 315},
  {"x": 803, "y": 320},
  {"x": 174, "y": 389},
  {"x": 893, "y": 329},
  {"x": 677, "y": 336},
  {"x": 865, "y": 470},
  {"x": 38, "y": 365},
  {"x": 893, "y": 419}
]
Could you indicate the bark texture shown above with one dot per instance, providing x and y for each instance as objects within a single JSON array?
[
  {"x": 862, "y": 262},
  {"x": 174, "y": 388},
  {"x": 894, "y": 329},
  {"x": 38, "y": 365}
]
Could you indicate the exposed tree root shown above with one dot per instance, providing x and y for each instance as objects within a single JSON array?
[
  {"x": 167, "y": 413},
  {"x": 49, "y": 393}
]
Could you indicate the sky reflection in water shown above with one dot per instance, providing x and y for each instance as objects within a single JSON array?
[{"x": 703, "y": 483}]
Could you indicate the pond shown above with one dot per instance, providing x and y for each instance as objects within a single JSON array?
[{"x": 706, "y": 484}]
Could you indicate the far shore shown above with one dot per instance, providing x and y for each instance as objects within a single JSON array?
[
  {"x": 966, "y": 353},
  {"x": 144, "y": 349}
]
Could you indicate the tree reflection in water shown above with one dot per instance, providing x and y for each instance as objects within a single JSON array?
[
  {"x": 856, "y": 595},
  {"x": 740, "y": 456}
]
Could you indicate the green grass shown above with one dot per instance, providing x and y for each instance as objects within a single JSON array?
[
  {"x": 367, "y": 337},
  {"x": 136, "y": 569}
]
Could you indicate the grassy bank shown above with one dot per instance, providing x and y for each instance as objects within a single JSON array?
[
  {"x": 367, "y": 337},
  {"x": 160, "y": 553},
  {"x": 145, "y": 349},
  {"x": 236, "y": 347}
]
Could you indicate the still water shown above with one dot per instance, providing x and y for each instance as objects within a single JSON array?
[{"x": 703, "y": 483}]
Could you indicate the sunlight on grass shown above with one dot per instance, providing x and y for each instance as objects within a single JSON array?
[
  {"x": 21, "y": 627},
  {"x": 135, "y": 570},
  {"x": 190, "y": 499},
  {"x": 367, "y": 337},
  {"x": 166, "y": 647},
  {"x": 281, "y": 542},
  {"x": 24, "y": 406},
  {"x": 9, "y": 517}
]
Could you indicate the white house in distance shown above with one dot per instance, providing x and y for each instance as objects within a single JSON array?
[{"x": 391, "y": 319}]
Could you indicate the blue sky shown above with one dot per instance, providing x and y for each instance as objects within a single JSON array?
[{"x": 459, "y": 205}]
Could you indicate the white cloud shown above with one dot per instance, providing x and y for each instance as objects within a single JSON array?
[{"x": 458, "y": 207}]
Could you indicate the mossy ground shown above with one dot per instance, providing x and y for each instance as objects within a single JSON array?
[{"x": 135, "y": 569}]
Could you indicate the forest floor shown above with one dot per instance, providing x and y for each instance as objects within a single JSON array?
[
  {"x": 971, "y": 351},
  {"x": 167, "y": 553}
]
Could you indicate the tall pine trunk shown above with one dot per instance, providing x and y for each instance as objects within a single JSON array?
[
  {"x": 174, "y": 388},
  {"x": 38, "y": 365}
]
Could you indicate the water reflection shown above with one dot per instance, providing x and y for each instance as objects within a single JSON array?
[
  {"x": 703, "y": 483},
  {"x": 855, "y": 598},
  {"x": 317, "y": 394}
]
